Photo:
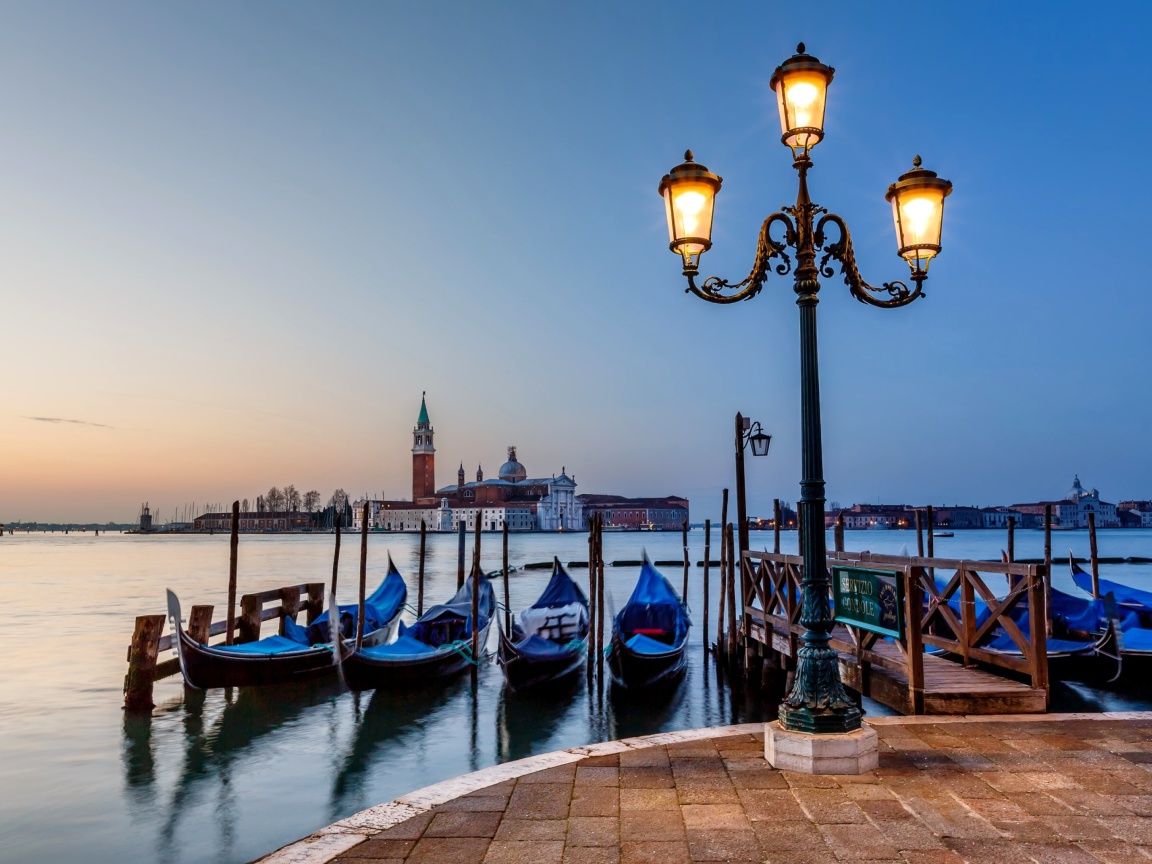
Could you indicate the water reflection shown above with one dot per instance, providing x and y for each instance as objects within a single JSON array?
[{"x": 525, "y": 721}]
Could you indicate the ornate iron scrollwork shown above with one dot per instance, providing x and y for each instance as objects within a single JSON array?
[
  {"x": 713, "y": 289},
  {"x": 898, "y": 292}
]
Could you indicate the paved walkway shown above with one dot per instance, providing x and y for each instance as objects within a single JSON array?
[{"x": 988, "y": 790}]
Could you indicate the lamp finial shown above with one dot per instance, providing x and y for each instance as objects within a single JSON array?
[
  {"x": 800, "y": 48},
  {"x": 916, "y": 162}
]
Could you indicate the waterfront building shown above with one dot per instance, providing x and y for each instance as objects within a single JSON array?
[
  {"x": 293, "y": 520},
  {"x": 1139, "y": 513},
  {"x": 636, "y": 514},
  {"x": 512, "y": 497},
  {"x": 882, "y": 516},
  {"x": 1073, "y": 509}
]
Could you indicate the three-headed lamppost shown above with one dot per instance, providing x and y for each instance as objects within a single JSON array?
[{"x": 818, "y": 702}]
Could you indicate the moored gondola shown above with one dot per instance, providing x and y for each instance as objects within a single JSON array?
[
  {"x": 548, "y": 639},
  {"x": 438, "y": 645},
  {"x": 1128, "y": 631},
  {"x": 301, "y": 654},
  {"x": 649, "y": 633}
]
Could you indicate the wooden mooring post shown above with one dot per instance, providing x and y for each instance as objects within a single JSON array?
[
  {"x": 507, "y": 601},
  {"x": 919, "y": 533},
  {"x": 363, "y": 578},
  {"x": 684, "y": 537},
  {"x": 1048, "y": 569},
  {"x": 233, "y": 552},
  {"x": 838, "y": 532},
  {"x": 460, "y": 554},
  {"x": 600, "y": 599},
  {"x": 593, "y": 616},
  {"x": 732, "y": 565},
  {"x": 1011, "y": 539},
  {"x": 142, "y": 655},
  {"x": 420, "y": 575},
  {"x": 1094, "y": 561},
  {"x": 707, "y": 563},
  {"x": 776, "y": 525}
]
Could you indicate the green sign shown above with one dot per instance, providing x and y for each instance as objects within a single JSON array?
[{"x": 869, "y": 599}]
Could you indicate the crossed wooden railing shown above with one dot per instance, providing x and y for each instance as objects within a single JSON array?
[{"x": 940, "y": 611}]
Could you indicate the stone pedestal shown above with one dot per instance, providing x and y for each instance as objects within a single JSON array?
[{"x": 841, "y": 753}]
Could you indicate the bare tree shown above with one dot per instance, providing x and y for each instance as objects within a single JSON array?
[
  {"x": 311, "y": 501},
  {"x": 244, "y": 506},
  {"x": 291, "y": 499},
  {"x": 274, "y": 500},
  {"x": 338, "y": 500}
]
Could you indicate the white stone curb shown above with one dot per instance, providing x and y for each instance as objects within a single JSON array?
[{"x": 339, "y": 837}]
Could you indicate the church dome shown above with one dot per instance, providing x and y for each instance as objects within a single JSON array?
[{"x": 512, "y": 471}]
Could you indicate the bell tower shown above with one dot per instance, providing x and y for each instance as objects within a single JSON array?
[{"x": 423, "y": 457}]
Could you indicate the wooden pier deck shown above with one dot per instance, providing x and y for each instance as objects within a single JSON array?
[{"x": 897, "y": 672}]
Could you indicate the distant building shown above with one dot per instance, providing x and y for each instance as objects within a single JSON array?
[
  {"x": 512, "y": 498},
  {"x": 1135, "y": 514},
  {"x": 145, "y": 519},
  {"x": 1073, "y": 509},
  {"x": 864, "y": 516},
  {"x": 293, "y": 520},
  {"x": 636, "y": 514}
]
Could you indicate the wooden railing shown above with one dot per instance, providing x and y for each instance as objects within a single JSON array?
[
  {"x": 144, "y": 668},
  {"x": 939, "y": 611}
]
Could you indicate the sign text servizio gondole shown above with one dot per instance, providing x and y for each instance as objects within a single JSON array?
[{"x": 870, "y": 599}]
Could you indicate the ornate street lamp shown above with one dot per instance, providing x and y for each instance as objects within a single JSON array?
[{"x": 818, "y": 701}]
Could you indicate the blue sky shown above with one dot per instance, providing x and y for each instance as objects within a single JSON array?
[{"x": 240, "y": 239}]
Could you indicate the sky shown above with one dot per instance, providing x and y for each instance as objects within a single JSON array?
[{"x": 239, "y": 240}]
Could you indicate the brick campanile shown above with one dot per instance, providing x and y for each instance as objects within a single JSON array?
[{"x": 423, "y": 457}]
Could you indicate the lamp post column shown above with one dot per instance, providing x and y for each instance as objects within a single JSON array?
[{"x": 818, "y": 701}]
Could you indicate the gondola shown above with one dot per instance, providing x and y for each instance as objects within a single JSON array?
[
  {"x": 649, "y": 633},
  {"x": 301, "y": 654},
  {"x": 1130, "y": 624},
  {"x": 548, "y": 639},
  {"x": 438, "y": 645}
]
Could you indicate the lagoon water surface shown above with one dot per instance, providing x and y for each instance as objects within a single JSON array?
[{"x": 229, "y": 776}]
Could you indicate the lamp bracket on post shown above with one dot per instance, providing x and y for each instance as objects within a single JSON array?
[
  {"x": 766, "y": 249},
  {"x": 841, "y": 251}
]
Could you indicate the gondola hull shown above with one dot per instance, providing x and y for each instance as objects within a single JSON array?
[
  {"x": 522, "y": 672},
  {"x": 635, "y": 671},
  {"x": 364, "y": 672},
  {"x": 205, "y": 667}
]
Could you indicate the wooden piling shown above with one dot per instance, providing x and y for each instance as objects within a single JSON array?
[
  {"x": 420, "y": 574},
  {"x": 722, "y": 593},
  {"x": 1048, "y": 568},
  {"x": 592, "y": 614},
  {"x": 776, "y": 525},
  {"x": 199, "y": 624},
  {"x": 919, "y": 533},
  {"x": 142, "y": 662},
  {"x": 707, "y": 563},
  {"x": 507, "y": 590},
  {"x": 684, "y": 538},
  {"x": 1011, "y": 539},
  {"x": 248, "y": 625},
  {"x": 335, "y": 569},
  {"x": 732, "y": 565},
  {"x": 1095, "y": 559},
  {"x": 838, "y": 532},
  {"x": 476, "y": 609},
  {"x": 233, "y": 552},
  {"x": 460, "y": 554},
  {"x": 363, "y": 577},
  {"x": 600, "y": 596},
  {"x": 931, "y": 526}
]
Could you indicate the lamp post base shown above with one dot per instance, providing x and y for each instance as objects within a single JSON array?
[
  {"x": 804, "y": 720},
  {"x": 853, "y": 752}
]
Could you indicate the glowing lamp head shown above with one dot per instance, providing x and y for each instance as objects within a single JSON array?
[
  {"x": 801, "y": 85},
  {"x": 918, "y": 211},
  {"x": 689, "y": 193}
]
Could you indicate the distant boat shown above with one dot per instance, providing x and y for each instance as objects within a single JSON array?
[
  {"x": 302, "y": 653},
  {"x": 878, "y": 526},
  {"x": 548, "y": 639},
  {"x": 943, "y": 534},
  {"x": 649, "y": 634}
]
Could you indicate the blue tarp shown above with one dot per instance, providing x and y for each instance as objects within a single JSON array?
[
  {"x": 266, "y": 647},
  {"x": 561, "y": 590},
  {"x": 452, "y": 621},
  {"x": 538, "y": 648},
  {"x": 1133, "y": 598},
  {"x": 379, "y": 608},
  {"x": 404, "y": 648},
  {"x": 642, "y": 644},
  {"x": 654, "y": 606},
  {"x": 1137, "y": 640}
]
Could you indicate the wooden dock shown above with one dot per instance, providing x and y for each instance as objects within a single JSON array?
[{"x": 897, "y": 672}]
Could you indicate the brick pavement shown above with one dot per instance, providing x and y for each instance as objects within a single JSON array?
[{"x": 1071, "y": 791}]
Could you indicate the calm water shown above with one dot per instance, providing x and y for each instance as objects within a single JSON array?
[{"x": 228, "y": 777}]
